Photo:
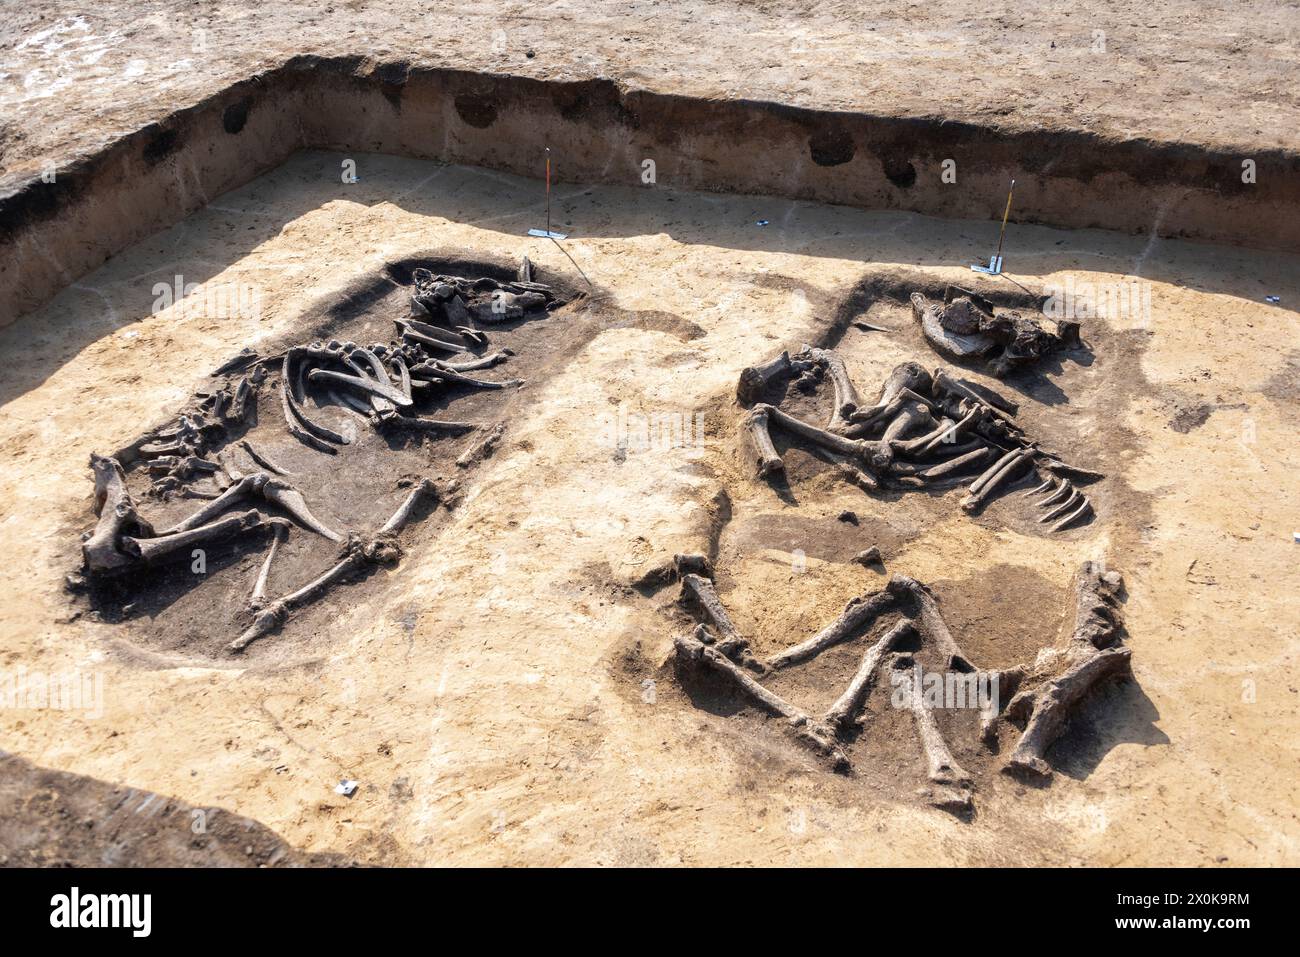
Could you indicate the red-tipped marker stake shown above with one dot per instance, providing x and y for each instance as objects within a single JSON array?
[{"x": 546, "y": 233}]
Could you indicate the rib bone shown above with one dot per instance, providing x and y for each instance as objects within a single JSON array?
[
  {"x": 1083, "y": 509},
  {"x": 435, "y": 369},
  {"x": 1065, "y": 506},
  {"x": 295, "y": 418},
  {"x": 992, "y": 484},
  {"x": 365, "y": 384},
  {"x": 1057, "y": 494},
  {"x": 1041, "y": 488}
]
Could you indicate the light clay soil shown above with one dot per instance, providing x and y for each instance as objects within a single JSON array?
[
  {"x": 506, "y": 696},
  {"x": 1219, "y": 74}
]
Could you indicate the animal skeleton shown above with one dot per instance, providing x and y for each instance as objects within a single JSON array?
[
  {"x": 925, "y": 430},
  {"x": 385, "y": 383}
]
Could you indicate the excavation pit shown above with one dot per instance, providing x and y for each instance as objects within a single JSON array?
[
  {"x": 249, "y": 489},
  {"x": 509, "y": 668}
]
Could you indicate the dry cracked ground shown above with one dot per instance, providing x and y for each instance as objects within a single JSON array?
[{"x": 507, "y": 695}]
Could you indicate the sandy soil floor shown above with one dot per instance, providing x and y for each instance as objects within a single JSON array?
[
  {"x": 507, "y": 698},
  {"x": 73, "y": 77}
]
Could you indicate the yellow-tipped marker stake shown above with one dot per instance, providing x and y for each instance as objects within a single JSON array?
[
  {"x": 546, "y": 233},
  {"x": 994, "y": 267}
]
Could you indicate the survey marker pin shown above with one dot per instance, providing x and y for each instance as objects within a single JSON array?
[
  {"x": 547, "y": 233},
  {"x": 994, "y": 267}
]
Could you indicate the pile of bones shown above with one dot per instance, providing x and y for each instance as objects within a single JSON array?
[{"x": 925, "y": 430}]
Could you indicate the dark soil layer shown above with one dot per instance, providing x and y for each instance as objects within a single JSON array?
[
  {"x": 174, "y": 609},
  {"x": 57, "y": 819}
]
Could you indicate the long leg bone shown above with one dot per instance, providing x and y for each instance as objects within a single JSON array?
[
  {"x": 856, "y": 476},
  {"x": 986, "y": 397},
  {"x": 857, "y": 614},
  {"x": 1092, "y": 653},
  {"x": 942, "y": 766},
  {"x": 273, "y": 490},
  {"x": 293, "y": 502},
  {"x": 241, "y": 489},
  {"x": 1054, "y": 701},
  {"x": 258, "y": 598},
  {"x": 768, "y": 459},
  {"x": 423, "y": 489},
  {"x": 483, "y": 448},
  {"x": 845, "y": 709},
  {"x": 733, "y": 644},
  {"x": 847, "y": 399},
  {"x": 380, "y": 550},
  {"x": 910, "y": 417},
  {"x": 429, "y": 342},
  {"x": 931, "y": 620},
  {"x": 435, "y": 336},
  {"x": 943, "y": 426},
  {"x": 908, "y": 375},
  {"x": 415, "y": 424},
  {"x": 1002, "y": 683},
  {"x": 993, "y": 479},
  {"x": 865, "y": 424},
  {"x": 976, "y": 457},
  {"x": 854, "y": 448},
  {"x": 755, "y": 380},
  {"x": 950, "y": 436},
  {"x": 484, "y": 362},
  {"x": 150, "y": 550},
  {"x": 805, "y": 729}
]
